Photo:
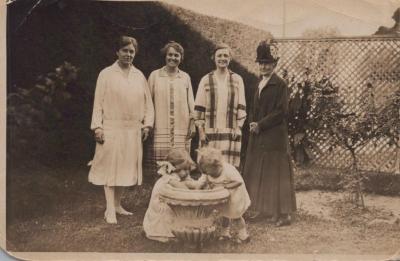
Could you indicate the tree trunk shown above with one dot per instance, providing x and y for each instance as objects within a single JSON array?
[{"x": 358, "y": 194}]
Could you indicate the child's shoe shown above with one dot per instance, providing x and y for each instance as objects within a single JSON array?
[
  {"x": 243, "y": 236},
  {"x": 225, "y": 233}
]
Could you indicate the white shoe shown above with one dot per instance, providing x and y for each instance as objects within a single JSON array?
[
  {"x": 122, "y": 211},
  {"x": 110, "y": 217},
  {"x": 243, "y": 236}
]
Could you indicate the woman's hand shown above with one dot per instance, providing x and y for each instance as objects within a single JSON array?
[
  {"x": 202, "y": 136},
  {"x": 236, "y": 133},
  {"x": 145, "y": 133},
  {"x": 191, "y": 130},
  {"x": 254, "y": 128},
  {"x": 99, "y": 135}
]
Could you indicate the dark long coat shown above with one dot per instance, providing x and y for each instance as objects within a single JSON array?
[{"x": 268, "y": 171}]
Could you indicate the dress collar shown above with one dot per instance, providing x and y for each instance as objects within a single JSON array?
[
  {"x": 163, "y": 72},
  {"x": 271, "y": 80},
  {"x": 117, "y": 68}
]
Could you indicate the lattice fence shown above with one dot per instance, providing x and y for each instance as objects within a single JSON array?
[{"x": 363, "y": 68}]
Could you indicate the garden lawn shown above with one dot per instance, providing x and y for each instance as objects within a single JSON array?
[{"x": 59, "y": 211}]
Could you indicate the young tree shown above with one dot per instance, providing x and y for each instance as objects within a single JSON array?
[{"x": 352, "y": 132}]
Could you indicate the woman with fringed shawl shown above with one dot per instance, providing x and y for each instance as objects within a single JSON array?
[{"x": 220, "y": 107}]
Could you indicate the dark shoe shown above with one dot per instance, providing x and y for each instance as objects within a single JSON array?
[
  {"x": 282, "y": 222},
  {"x": 273, "y": 220},
  {"x": 223, "y": 238},
  {"x": 225, "y": 234}
]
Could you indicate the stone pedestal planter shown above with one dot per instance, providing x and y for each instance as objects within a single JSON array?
[{"x": 195, "y": 212}]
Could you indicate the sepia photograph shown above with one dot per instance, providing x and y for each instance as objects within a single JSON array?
[{"x": 201, "y": 130}]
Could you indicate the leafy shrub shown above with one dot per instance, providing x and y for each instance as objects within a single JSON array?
[
  {"x": 38, "y": 116},
  {"x": 389, "y": 120},
  {"x": 314, "y": 103}
]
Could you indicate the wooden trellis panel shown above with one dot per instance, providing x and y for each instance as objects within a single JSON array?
[{"x": 364, "y": 69}]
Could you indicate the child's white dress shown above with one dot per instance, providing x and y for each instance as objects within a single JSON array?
[
  {"x": 158, "y": 218},
  {"x": 239, "y": 200}
]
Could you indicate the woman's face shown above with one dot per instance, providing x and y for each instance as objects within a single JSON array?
[
  {"x": 172, "y": 58},
  {"x": 126, "y": 54},
  {"x": 266, "y": 69},
  {"x": 222, "y": 58}
]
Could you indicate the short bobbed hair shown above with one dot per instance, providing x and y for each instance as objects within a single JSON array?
[
  {"x": 177, "y": 47},
  {"x": 126, "y": 40},
  {"x": 221, "y": 46}
]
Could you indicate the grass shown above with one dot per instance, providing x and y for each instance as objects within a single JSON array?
[{"x": 57, "y": 210}]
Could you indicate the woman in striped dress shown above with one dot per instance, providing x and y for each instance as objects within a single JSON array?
[
  {"x": 220, "y": 107},
  {"x": 172, "y": 94}
]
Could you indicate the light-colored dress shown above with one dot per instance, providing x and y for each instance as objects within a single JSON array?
[
  {"x": 174, "y": 107},
  {"x": 159, "y": 216},
  {"x": 220, "y": 107},
  {"x": 122, "y": 107},
  {"x": 239, "y": 200}
]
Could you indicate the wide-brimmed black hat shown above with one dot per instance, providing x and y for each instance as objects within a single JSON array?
[{"x": 267, "y": 52}]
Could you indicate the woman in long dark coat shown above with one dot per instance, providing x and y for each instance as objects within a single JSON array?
[{"x": 268, "y": 172}]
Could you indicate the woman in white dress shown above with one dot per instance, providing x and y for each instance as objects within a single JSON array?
[
  {"x": 122, "y": 117},
  {"x": 172, "y": 94}
]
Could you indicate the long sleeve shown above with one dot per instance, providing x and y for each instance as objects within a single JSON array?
[
  {"x": 200, "y": 104},
  {"x": 241, "y": 113},
  {"x": 190, "y": 99},
  {"x": 279, "y": 113},
  {"x": 250, "y": 117},
  {"x": 149, "y": 108},
  {"x": 97, "y": 115}
]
